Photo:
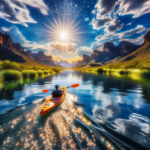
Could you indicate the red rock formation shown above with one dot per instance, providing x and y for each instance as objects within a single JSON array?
[
  {"x": 40, "y": 56},
  {"x": 17, "y": 46},
  {"x": 1, "y": 38},
  {"x": 49, "y": 58},
  {"x": 147, "y": 37},
  {"x": 29, "y": 54},
  {"x": 85, "y": 57},
  {"x": 7, "y": 41},
  {"x": 96, "y": 53}
]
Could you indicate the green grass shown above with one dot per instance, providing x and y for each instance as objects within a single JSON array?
[
  {"x": 11, "y": 84},
  {"x": 7, "y": 64},
  {"x": 29, "y": 74},
  {"x": 11, "y": 75}
]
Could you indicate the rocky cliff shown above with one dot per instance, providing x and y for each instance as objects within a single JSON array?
[
  {"x": 6, "y": 40},
  {"x": 147, "y": 37},
  {"x": 40, "y": 56},
  {"x": 110, "y": 52}
]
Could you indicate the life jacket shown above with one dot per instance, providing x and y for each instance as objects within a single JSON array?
[{"x": 57, "y": 93}]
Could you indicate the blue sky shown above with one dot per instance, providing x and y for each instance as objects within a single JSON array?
[{"x": 100, "y": 21}]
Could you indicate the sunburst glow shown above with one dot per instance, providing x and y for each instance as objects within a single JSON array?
[
  {"x": 63, "y": 32},
  {"x": 63, "y": 35}
]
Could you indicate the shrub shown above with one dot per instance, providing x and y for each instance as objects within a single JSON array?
[
  {"x": 100, "y": 70},
  {"x": 122, "y": 72},
  {"x": 1, "y": 77},
  {"x": 7, "y": 64},
  {"x": 1, "y": 68},
  {"x": 29, "y": 74},
  {"x": 11, "y": 75},
  {"x": 56, "y": 69},
  {"x": 40, "y": 73},
  {"x": 46, "y": 72},
  {"x": 33, "y": 74},
  {"x": 25, "y": 74},
  {"x": 145, "y": 74}
]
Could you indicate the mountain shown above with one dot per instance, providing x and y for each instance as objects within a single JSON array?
[
  {"x": 109, "y": 53},
  {"x": 40, "y": 56},
  {"x": 147, "y": 37},
  {"x": 6, "y": 40},
  {"x": 14, "y": 55},
  {"x": 66, "y": 63},
  {"x": 139, "y": 58}
]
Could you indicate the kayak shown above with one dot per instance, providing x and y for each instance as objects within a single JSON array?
[{"x": 52, "y": 102}]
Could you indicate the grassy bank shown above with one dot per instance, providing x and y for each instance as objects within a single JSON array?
[
  {"x": 142, "y": 72},
  {"x": 5, "y": 65},
  {"x": 15, "y": 71},
  {"x": 9, "y": 75}
]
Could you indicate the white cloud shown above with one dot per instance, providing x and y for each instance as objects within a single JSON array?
[
  {"x": 128, "y": 24},
  {"x": 111, "y": 37},
  {"x": 87, "y": 19},
  {"x": 84, "y": 48},
  {"x": 105, "y": 6},
  {"x": 135, "y": 7},
  {"x": 15, "y": 11},
  {"x": 15, "y": 34},
  {"x": 114, "y": 26},
  {"x": 97, "y": 24}
]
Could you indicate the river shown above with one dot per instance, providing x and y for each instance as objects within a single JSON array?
[{"x": 104, "y": 112}]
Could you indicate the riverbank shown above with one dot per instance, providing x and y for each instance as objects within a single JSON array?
[
  {"x": 15, "y": 71},
  {"x": 9, "y": 75},
  {"x": 143, "y": 73}
]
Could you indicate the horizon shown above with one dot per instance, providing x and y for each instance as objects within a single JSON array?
[{"x": 68, "y": 29}]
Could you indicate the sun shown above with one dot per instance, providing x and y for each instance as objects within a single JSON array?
[
  {"x": 62, "y": 31},
  {"x": 63, "y": 35}
]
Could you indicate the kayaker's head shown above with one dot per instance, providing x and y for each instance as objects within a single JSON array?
[{"x": 56, "y": 86}]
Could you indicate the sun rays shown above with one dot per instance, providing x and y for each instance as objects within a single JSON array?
[{"x": 61, "y": 31}]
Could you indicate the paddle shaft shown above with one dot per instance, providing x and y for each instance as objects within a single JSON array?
[{"x": 73, "y": 86}]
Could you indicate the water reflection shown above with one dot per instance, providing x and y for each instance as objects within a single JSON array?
[{"x": 119, "y": 106}]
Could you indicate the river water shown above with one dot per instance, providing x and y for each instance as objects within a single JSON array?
[{"x": 102, "y": 113}]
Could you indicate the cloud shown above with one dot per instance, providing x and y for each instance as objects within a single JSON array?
[
  {"x": 87, "y": 19},
  {"x": 96, "y": 45},
  {"x": 63, "y": 47},
  {"x": 112, "y": 37},
  {"x": 135, "y": 7},
  {"x": 15, "y": 11},
  {"x": 83, "y": 50},
  {"x": 15, "y": 34},
  {"x": 105, "y": 6},
  {"x": 101, "y": 22},
  {"x": 114, "y": 26},
  {"x": 138, "y": 29},
  {"x": 123, "y": 36},
  {"x": 57, "y": 58},
  {"x": 129, "y": 24}
]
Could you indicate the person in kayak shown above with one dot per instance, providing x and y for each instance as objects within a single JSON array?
[{"x": 57, "y": 92}]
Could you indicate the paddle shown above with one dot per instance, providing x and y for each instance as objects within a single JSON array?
[{"x": 73, "y": 86}]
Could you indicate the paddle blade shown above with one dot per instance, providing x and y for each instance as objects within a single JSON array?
[
  {"x": 75, "y": 85},
  {"x": 45, "y": 91}
]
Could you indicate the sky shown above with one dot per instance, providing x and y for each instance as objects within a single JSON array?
[{"x": 67, "y": 29}]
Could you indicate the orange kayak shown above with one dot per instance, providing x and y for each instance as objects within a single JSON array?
[{"x": 52, "y": 102}]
